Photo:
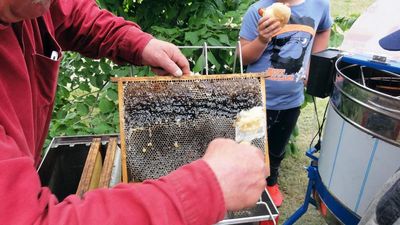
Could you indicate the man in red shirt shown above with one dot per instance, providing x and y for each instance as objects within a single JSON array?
[{"x": 33, "y": 34}]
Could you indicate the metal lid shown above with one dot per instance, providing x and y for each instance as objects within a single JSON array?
[
  {"x": 379, "y": 20},
  {"x": 368, "y": 98}
]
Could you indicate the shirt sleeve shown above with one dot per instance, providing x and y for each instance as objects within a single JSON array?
[
  {"x": 326, "y": 19},
  {"x": 189, "y": 195},
  {"x": 80, "y": 25},
  {"x": 248, "y": 29}
]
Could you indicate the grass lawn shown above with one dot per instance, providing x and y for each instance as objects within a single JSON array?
[
  {"x": 349, "y": 7},
  {"x": 293, "y": 177}
]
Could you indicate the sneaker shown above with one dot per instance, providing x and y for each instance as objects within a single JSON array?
[{"x": 275, "y": 194}]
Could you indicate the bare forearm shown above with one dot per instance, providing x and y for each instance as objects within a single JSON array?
[
  {"x": 252, "y": 50},
  {"x": 321, "y": 41}
]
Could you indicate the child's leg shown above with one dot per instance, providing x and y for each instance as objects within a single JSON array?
[{"x": 280, "y": 126}]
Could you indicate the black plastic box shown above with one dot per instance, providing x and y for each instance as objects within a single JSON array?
[{"x": 322, "y": 73}]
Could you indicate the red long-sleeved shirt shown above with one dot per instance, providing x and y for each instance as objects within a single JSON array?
[{"x": 28, "y": 80}]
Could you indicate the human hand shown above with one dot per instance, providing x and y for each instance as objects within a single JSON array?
[
  {"x": 267, "y": 28},
  {"x": 240, "y": 170},
  {"x": 165, "y": 58}
]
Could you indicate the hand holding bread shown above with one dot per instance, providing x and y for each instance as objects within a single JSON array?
[
  {"x": 278, "y": 11},
  {"x": 273, "y": 19}
]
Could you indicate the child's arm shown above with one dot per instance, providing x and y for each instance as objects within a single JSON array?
[
  {"x": 321, "y": 40},
  {"x": 253, "y": 49}
]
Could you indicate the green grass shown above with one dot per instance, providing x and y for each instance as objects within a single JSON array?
[
  {"x": 349, "y": 7},
  {"x": 293, "y": 177}
]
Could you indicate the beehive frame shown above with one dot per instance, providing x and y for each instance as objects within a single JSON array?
[{"x": 122, "y": 81}]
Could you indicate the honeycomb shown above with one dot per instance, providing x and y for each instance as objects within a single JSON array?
[{"x": 169, "y": 123}]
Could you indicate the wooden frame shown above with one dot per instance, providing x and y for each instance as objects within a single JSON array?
[
  {"x": 264, "y": 97},
  {"x": 91, "y": 172},
  {"x": 194, "y": 77},
  {"x": 108, "y": 163},
  {"x": 122, "y": 80},
  {"x": 122, "y": 133}
]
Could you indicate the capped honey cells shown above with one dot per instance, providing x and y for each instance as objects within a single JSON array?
[{"x": 169, "y": 123}]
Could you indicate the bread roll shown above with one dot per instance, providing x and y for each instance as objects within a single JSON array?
[{"x": 279, "y": 11}]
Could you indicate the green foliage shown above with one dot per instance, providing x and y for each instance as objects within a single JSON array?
[
  {"x": 86, "y": 101},
  {"x": 341, "y": 24},
  {"x": 214, "y": 22}
]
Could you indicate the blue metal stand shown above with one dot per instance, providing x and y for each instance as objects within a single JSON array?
[
  {"x": 315, "y": 184},
  {"x": 308, "y": 198}
]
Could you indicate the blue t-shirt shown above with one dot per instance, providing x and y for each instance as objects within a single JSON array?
[{"x": 287, "y": 56}]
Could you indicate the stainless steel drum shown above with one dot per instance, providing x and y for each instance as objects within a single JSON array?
[{"x": 361, "y": 141}]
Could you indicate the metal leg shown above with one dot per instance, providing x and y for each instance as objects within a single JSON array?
[
  {"x": 315, "y": 183},
  {"x": 205, "y": 53},
  {"x": 307, "y": 200}
]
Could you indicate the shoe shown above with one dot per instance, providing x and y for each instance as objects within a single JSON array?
[{"x": 275, "y": 194}]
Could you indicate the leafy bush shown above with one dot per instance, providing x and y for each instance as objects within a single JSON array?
[
  {"x": 341, "y": 24},
  {"x": 86, "y": 101}
]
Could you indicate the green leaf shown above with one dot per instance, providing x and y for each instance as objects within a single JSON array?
[
  {"x": 63, "y": 92},
  {"x": 116, "y": 118},
  {"x": 295, "y": 131},
  {"x": 61, "y": 114},
  {"x": 213, "y": 41},
  {"x": 192, "y": 37},
  {"x": 70, "y": 131},
  {"x": 213, "y": 60},
  {"x": 308, "y": 98},
  {"x": 82, "y": 109},
  {"x": 199, "y": 64},
  {"x": 106, "y": 105},
  {"x": 84, "y": 87},
  {"x": 112, "y": 94},
  {"x": 223, "y": 38},
  {"x": 105, "y": 66},
  {"x": 100, "y": 80},
  {"x": 288, "y": 150},
  {"x": 294, "y": 149},
  {"x": 71, "y": 116},
  {"x": 187, "y": 52},
  {"x": 336, "y": 40},
  {"x": 172, "y": 13},
  {"x": 90, "y": 100},
  {"x": 93, "y": 81},
  {"x": 102, "y": 128},
  {"x": 121, "y": 71}
]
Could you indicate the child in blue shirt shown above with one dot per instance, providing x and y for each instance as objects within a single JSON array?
[{"x": 283, "y": 52}]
